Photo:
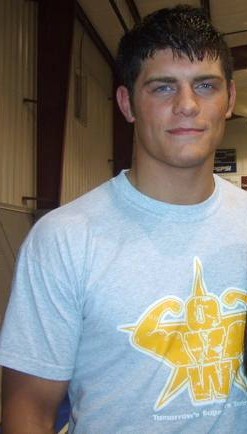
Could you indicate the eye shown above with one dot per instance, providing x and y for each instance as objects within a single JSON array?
[
  {"x": 164, "y": 88},
  {"x": 205, "y": 86}
]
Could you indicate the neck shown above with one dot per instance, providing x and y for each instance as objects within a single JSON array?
[{"x": 172, "y": 185}]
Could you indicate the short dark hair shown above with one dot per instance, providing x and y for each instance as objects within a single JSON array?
[{"x": 183, "y": 29}]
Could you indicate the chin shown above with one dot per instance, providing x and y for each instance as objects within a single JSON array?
[
  {"x": 195, "y": 157},
  {"x": 192, "y": 162}
]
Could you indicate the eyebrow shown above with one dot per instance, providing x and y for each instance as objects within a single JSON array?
[
  {"x": 170, "y": 79},
  {"x": 208, "y": 77}
]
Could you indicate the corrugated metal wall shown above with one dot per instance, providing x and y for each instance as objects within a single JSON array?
[
  {"x": 18, "y": 20},
  {"x": 88, "y": 144},
  {"x": 14, "y": 225}
]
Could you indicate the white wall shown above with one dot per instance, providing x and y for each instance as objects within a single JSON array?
[
  {"x": 89, "y": 141},
  {"x": 236, "y": 138},
  {"x": 88, "y": 145},
  {"x": 18, "y": 31}
]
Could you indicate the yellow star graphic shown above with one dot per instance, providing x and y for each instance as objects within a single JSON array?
[{"x": 204, "y": 351}]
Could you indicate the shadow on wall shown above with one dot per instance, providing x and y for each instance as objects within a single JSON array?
[{"x": 14, "y": 226}]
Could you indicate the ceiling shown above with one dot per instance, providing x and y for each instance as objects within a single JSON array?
[{"x": 108, "y": 20}]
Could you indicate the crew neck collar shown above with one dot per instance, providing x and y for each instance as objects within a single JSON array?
[{"x": 173, "y": 211}]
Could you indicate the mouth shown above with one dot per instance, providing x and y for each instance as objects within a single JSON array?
[{"x": 186, "y": 131}]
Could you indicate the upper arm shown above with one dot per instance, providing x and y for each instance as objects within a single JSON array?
[{"x": 31, "y": 402}]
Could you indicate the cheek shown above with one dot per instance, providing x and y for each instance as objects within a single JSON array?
[
  {"x": 149, "y": 110},
  {"x": 218, "y": 110},
  {"x": 218, "y": 124}
]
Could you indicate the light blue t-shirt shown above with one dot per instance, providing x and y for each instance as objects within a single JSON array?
[{"x": 141, "y": 305}]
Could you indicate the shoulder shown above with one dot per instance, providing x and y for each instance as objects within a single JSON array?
[
  {"x": 229, "y": 188},
  {"x": 71, "y": 227},
  {"x": 76, "y": 214},
  {"x": 234, "y": 198}
]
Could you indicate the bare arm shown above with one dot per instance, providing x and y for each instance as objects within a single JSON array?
[{"x": 30, "y": 403}]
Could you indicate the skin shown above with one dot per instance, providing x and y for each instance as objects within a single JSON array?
[
  {"x": 29, "y": 403},
  {"x": 179, "y": 109}
]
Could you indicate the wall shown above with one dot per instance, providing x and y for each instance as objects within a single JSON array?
[
  {"x": 18, "y": 118},
  {"x": 14, "y": 226},
  {"x": 89, "y": 141},
  {"x": 17, "y": 131},
  {"x": 236, "y": 138}
]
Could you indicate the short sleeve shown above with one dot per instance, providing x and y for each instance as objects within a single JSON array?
[{"x": 43, "y": 322}]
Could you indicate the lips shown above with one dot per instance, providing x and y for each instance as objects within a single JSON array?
[{"x": 185, "y": 131}]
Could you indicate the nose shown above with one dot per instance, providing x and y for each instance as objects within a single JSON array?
[{"x": 186, "y": 102}]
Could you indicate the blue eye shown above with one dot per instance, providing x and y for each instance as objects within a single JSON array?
[
  {"x": 165, "y": 88},
  {"x": 205, "y": 85}
]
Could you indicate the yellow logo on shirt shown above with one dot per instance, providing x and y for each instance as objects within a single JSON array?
[{"x": 204, "y": 350}]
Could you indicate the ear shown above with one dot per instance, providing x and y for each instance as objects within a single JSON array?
[
  {"x": 124, "y": 103},
  {"x": 232, "y": 100}
]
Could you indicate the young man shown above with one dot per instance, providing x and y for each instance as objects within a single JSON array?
[{"x": 133, "y": 296}]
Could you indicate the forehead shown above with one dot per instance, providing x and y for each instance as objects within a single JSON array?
[{"x": 164, "y": 63}]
